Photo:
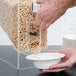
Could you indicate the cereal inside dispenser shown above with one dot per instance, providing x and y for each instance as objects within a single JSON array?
[{"x": 18, "y": 22}]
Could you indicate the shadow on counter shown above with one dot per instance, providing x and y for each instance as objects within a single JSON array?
[{"x": 55, "y": 74}]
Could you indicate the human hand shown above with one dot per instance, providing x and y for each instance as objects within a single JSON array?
[
  {"x": 50, "y": 11},
  {"x": 66, "y": 63}
]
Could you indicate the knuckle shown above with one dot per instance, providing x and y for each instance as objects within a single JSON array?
[
  {"x": 40, "y": 13},
  {"x": 42, "y": 16}
]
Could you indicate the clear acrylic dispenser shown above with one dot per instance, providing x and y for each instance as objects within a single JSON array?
[{"x": 17, "y": 19}]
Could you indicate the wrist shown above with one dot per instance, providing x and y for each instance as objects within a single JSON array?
[
  {"x": 64, "y": 4},
  {"x": 73, "y": 3},
  {"x": 68, "y": 3}
]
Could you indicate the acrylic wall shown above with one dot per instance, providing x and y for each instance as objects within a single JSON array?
[{"x": 17, "y": 20}]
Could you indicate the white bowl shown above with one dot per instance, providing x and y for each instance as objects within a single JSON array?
[
  {"x": 44, "y": 60},
  {"x": 69, "y": 41}
]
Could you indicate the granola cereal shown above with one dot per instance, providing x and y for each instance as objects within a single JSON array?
[{"x": 17, "y": 20}]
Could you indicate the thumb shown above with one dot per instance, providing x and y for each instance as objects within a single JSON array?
[{"x": 56, "y": 51}]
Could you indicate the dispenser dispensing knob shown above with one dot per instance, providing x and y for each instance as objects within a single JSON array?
[{"x": 35, "y": 7}]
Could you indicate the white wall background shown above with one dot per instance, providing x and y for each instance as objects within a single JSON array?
[{"x": 65, "y": 25}]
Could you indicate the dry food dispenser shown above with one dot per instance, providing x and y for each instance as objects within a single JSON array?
[{"x": 16, "y": 18}]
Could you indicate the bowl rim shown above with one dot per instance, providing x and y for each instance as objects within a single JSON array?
[
  {"x": 70, "y": 36},
  {"x": 28, "y": 57}
]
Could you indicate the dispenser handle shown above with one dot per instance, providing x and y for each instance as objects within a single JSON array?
[{"x": 35, "y": 7}]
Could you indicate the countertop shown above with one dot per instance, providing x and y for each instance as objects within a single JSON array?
[{"x": 8, "y": 64}]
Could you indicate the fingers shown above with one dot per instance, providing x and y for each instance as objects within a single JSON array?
[
  {"x": 37, "y": 20},
  {"x": 45, "y": 17},
  {"x": 39, "y": 1},
  {"x": 42, "y": 25},
  {"x": 53, "y": 18},
  {"x": 56, "y": 51},
  {"x": 66, "y": 64},
  {"x": 41, "y": 17},
  {"x": 51, "y": 21},
  {"x": 55, "y": 70},
  {"x": 58, "y": 67}
]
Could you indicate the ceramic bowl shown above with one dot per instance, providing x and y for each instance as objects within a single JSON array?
[
  {"x": 44, "y": 60},
  {"x": 69, "y": 41}
]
